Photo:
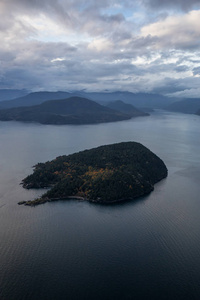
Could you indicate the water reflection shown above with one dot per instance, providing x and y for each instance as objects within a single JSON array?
[{"x": 144, "y": 249}]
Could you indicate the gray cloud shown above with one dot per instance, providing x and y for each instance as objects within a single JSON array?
[
  {"x": 169, "y": 86},
  {"x": 181, "y": 68},
  {"x": 196, "y": 71},
  {"x": 182, "y": 87},
  {"x": 183, "y": 4},
  {"x": 176, "y": 31},
  {"x": 96, "y": 45}
]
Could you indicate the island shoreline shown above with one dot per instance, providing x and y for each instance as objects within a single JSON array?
[{"x": 106, "y": 175}]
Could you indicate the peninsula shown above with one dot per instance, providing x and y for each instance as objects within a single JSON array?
[
  {"x": 74, "y": 110},
  {"x": 106, "y": 174}
]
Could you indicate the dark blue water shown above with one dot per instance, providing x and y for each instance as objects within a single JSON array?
[{"x": 144, "y": 249}]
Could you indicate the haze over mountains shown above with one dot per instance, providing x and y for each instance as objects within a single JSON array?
[
  {"x": 115, "y": 100},
  {"x": 188, "y": 106},
  {"x": 126, "y": 108},
  {"x": 137, "y": 99},
  {"x": 8, "y": 94},
  {"x": 34, "y": 98}
]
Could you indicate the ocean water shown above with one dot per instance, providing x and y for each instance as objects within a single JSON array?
[{"x": 143, "y": 249}]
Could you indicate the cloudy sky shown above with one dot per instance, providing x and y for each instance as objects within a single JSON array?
[{"x": 134, "y": 45}]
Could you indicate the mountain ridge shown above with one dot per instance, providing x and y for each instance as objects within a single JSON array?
[
  {"x": 139, "y": 100},
  {"x": 74, "y": 110}
]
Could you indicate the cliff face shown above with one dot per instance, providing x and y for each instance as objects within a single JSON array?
[{"x": 105, "y": 174}]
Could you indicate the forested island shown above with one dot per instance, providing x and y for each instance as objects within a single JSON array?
[{"x": 106, "y": 174}]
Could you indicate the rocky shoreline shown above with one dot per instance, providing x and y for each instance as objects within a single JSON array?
[{"x": 44, "y": 200}]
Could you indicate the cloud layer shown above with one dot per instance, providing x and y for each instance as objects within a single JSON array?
[
  {"x": 171, "y": 4},
  {"x": 143, "y": 45}
]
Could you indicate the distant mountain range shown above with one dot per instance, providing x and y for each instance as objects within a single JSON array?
[
  {"x": 115, "y": 100},
  {"x": 139, "y": 99},
  {"x": 126, "y": 108},
  {"x": 34, "y": 99},
  {"x": 188, "y": 106},
  {"x": 74, "y": 110},
  {"x": 8, "y": 94}
]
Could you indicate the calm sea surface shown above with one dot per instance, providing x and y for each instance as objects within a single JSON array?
[{"x": 144, "y": 249}]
